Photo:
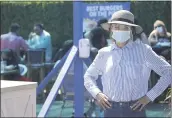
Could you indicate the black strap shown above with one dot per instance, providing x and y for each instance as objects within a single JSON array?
[{"x": 123, "y": 19}]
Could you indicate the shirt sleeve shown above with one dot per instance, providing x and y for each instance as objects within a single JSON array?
[
  {"x": 31, "y": 43},
  {"x": 162, "y": 68},
  {"x": 92, "y": 73}
]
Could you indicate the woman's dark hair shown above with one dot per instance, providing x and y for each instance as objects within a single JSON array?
[
  {"x": 135, "y": 35},
  {"x": 96, "y": 37},
  {"x": 101, "y": 21}
]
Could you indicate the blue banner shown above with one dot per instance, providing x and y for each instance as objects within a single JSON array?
[
  {"x": 91, "y": 13},
  {"x": 84, "y": 16}
]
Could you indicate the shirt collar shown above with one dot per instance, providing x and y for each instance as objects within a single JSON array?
[{"x": 128, "y": 45}]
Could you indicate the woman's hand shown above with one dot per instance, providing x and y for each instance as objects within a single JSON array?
[
  {"x": 103, "y": 101},
  {"x": 141, "y": 103}
]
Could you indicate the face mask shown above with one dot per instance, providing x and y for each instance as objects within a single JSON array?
[
  {"x": 121, "y": 36},
  {"x": 159, "y": 29}
]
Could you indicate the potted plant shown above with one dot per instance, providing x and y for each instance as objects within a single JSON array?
[{"x": 168, "y": 98}]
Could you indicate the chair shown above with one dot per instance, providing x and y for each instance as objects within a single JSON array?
[{"x": 35, "y": 59}]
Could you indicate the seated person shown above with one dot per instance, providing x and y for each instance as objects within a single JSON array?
[
  {"x": 10, "y": 57},
  {"x": 41, "y": 39},
  {"x": 159, "y": 37},
  {"x": 159, "y": 34},
  {"x": 13, "y": 40}
]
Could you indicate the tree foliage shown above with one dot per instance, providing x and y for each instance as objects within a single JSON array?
[
  {"x": 57, "y": 17},
  {"x": 147, "y": 12}
]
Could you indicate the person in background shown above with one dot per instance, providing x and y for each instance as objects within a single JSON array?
[
  {"x": 98, "y": 36},
  {"x": 160, "y": 41},
  {"x": 41, "y": 39},
  {"x": 13, "y": 40},
  {"x": 63, "y": 50},
  {"x": 88, "y": 25},
  {"x": 125, "y": 69},
  {"x": 160, "y": 38},
  {"x": 12, "y": 63},
  {"x": 103, "y": 23},
  {"x": 159, "y": 34}
]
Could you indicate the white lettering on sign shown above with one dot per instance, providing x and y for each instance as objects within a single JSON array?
[
  {"x": 111, "y": 8},
  {"x": 92, "y": 8},
  {"x": 102, "y": 11},
  {"x": 92, "y": 14}
]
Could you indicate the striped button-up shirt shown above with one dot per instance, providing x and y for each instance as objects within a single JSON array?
[{"x": 125, "y": 72}]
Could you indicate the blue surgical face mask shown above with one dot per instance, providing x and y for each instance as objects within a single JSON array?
[
  {"x": 159, "y": 29},
  {"x": 121, "y": 36}
]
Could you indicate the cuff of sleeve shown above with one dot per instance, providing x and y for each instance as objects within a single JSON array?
[
  {"x": 95, "y": 92},
  {"x": 151, "y": 95}
]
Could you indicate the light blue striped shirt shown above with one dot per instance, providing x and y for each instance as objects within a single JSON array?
[{"x": 126, "y": 71}]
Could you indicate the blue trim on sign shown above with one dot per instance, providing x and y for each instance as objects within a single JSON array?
[{"x": 78, "y": 65}]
